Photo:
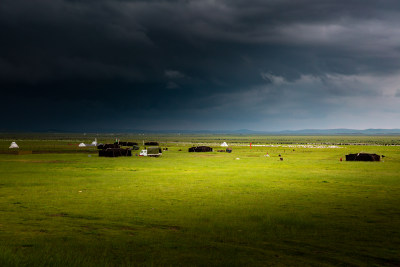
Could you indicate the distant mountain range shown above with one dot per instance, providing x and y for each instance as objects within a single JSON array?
[
  {"x": 341, "y": 131},
  {"x": 246, "y": 131},
  {"x": 306, "y": 132}
]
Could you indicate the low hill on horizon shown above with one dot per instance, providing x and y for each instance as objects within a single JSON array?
[{"x": 339, "y": 131}]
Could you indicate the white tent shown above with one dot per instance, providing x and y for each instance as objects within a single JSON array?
[
  {"x": 94, "y": 143},
  {"x": 81, "y": 145},
  {"x": 14, "y": 145},
  {"x": 224, "y": 144}
]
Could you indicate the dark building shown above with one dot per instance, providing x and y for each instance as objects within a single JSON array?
[
  {"x": 363, "y": 157},
  {"x": 200, "y": 149}
]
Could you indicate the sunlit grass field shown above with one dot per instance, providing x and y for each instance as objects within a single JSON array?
[{"x": 218, "y": 209}]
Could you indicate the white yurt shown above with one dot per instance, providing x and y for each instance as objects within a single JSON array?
[
  {"x": 224, "y": 144},
  {"x": 81, "y": 145},
  {"x": 94, "y": 143},
  {"x": 14, "y": 145}
]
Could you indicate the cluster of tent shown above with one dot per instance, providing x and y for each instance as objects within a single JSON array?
[
  {"x": 134, "y": 145},
  {"x": 113, "y": 150},
  {"x": 116, "y": 150},
  {"x": 209, "y": 149},
  {"x": 125, "y": 149},
  {"x": 94, "y": 143}
]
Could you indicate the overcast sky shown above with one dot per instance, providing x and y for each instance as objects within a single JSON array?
[{"x": 204, "y": 64}]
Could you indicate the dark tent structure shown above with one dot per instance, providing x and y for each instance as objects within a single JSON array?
[
  {"x": 201, "y": 149},
  {"x": 363, "y": 157},
  {"x": 113, "y": 150}
]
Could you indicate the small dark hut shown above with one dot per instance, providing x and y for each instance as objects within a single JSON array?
[
  {"x": 200, "y": 149},
  {"x": 363, "y": 157}
]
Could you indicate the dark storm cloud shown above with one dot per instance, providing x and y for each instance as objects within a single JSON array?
[{"x": 85, "y": 63}]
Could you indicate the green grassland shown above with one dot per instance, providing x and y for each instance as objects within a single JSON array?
[{"x": 217, "y": 209}]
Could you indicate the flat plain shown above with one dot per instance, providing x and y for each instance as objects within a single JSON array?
[{"x": 64, "y": 206}]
